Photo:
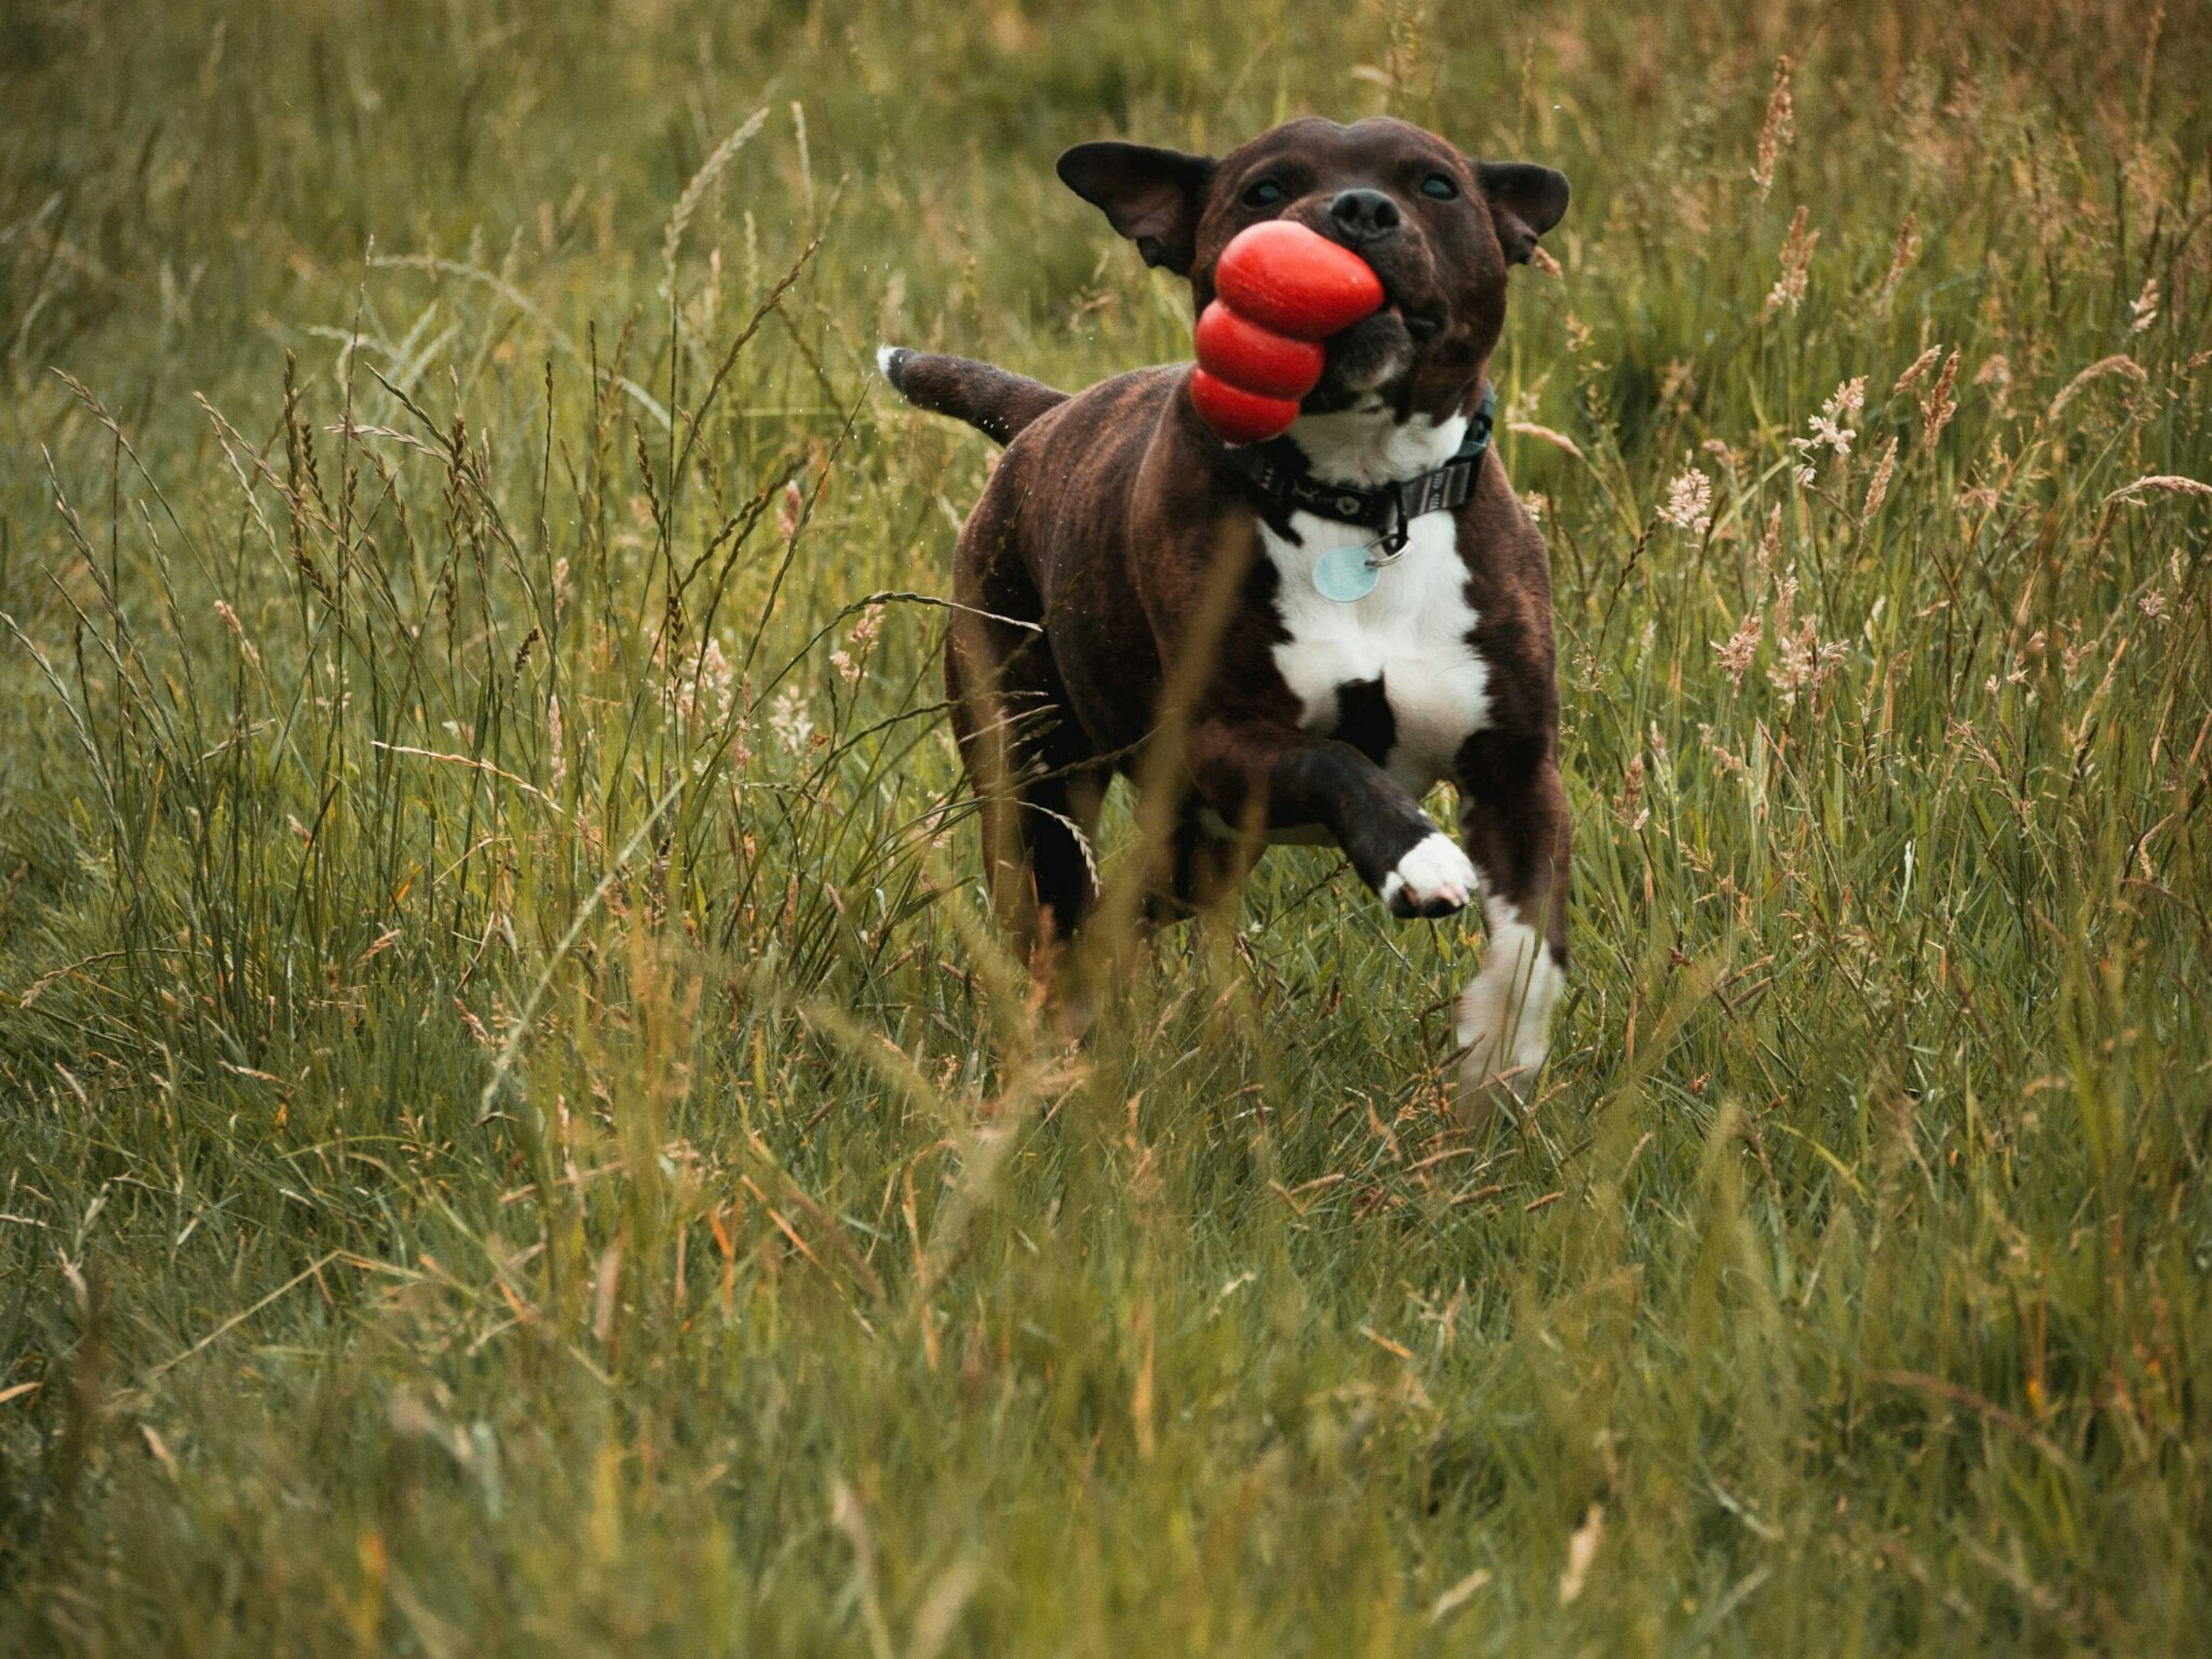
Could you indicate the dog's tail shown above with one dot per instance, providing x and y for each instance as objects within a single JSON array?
[{"x": 997, "y": 404}]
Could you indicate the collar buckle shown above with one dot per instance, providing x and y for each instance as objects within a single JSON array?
[{"x": 1397, "y": 531}]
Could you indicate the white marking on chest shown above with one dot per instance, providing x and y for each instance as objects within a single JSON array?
[{"x": 1412, "y": 631}]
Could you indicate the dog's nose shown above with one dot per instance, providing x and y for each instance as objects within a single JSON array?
[{"x": 1364, "y": 215}]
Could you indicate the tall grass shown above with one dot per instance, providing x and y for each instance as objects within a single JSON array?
[{"x": 517, "y": 1135}]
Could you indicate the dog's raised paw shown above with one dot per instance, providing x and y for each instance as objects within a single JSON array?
[{"x": 1434, "y": 879}]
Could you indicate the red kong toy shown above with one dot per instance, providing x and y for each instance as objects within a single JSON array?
[{"x": 1282, "y": 290}]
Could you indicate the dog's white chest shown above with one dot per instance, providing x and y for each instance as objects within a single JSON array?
[{"x": 1410, "y": 634}]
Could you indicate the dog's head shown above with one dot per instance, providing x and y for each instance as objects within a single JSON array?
[{"x": 1438, "y": 228}]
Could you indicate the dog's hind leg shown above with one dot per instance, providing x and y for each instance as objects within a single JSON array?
[
  {"x": 1032, "y": 766},
  {"x": 1204, "y": 867},
  {"x": 1039, "y": 792}
]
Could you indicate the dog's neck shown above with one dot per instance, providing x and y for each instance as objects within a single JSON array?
[{"x": 1368, "y": 445}]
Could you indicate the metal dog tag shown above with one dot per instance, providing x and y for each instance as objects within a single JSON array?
[{"x": 1345, "y": 574}]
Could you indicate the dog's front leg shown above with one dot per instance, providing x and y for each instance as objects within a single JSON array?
[
  {"x": 1286, "y": 779},
  {"x": 1513, "y": 813}
]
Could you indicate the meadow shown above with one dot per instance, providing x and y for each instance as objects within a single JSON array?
[{"x": 517, "y": 1135}]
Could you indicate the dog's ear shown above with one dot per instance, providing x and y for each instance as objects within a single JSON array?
[
  {"x": 1152, "y": 196},
  {"x": 1525, "y": 200}
]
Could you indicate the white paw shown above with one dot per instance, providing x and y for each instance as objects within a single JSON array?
[
  {"x": 1434, "y": 879},
  {"x": 1505, "y": 1015}
]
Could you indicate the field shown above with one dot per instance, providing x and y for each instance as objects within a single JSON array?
[{"x": 516, "y": 1135}]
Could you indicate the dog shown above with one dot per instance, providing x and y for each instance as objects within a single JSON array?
[{"x": 1126, "y": 579}]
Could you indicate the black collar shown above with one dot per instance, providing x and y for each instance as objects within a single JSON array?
[{"x": 1277, "y": 472}]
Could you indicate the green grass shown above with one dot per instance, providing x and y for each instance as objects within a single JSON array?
[{"x": 512, "y": 1143}]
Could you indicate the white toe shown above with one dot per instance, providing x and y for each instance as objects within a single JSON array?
[{"x": 1435, "y": 875}]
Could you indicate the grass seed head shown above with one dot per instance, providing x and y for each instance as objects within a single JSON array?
[
  {"x": 1789, "y": 289},
  {"x": 1774, "y": 135},
  {"x": 1937, "y": 409}
]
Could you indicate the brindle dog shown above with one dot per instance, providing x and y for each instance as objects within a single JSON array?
[{"x": 1131, "y": 541}]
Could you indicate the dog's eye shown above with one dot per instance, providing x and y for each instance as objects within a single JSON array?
[
  {"x": 1440, "y": 186},
  {"x": 1265, "y": 193}
]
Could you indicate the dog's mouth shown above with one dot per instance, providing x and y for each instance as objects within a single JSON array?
[{"x": 1373, "y": 357}]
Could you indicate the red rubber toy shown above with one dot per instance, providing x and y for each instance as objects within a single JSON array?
[
  {"x": 1239, "y": 417},
  {"x": 1295, "y": 280},
  {"x": 1283, "y": 289},
  {"x": 1257, "y": 359}
]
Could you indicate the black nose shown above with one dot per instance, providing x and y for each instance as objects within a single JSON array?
[{"x": 1364, "y": 215}]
